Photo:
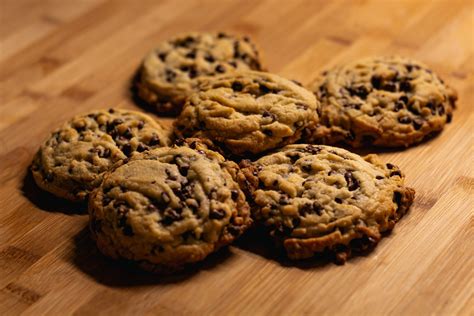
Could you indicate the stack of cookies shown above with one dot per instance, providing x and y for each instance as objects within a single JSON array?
[{"x": 248, "y": 148}]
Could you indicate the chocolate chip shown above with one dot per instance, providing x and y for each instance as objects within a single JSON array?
[
  {"x": 376, "y": 81},
  {"x": 209, "y": 58},
  {"x": 184, "y": 42},
  {"x": 352, "y": 182},
  {"x": 162, "y": 56},
  {"x": 233, "y": 63},
  {"x": 105, "y": 154},
  {"x": 310, "y": 208},
  {"x": 409, "y": 67},
  {"x": 405, "y": 86},
  {"x": 432, "y": 107},
  {"x": 404, "y": 120},
  {"x": 441, "y": 109},
  {"x": 127, "y": 149},
  {"x": 338, "y": 200},
  {"x": 221, "y": 35},
  {"x": 220, "y": 69},
  {"x": 284, "y": 200},
  {"x": 403, "y": 99},
  {"x": 399, "y": 106},
  {"x": 154, "y": 140},
  {"x": 183, "y": 169},
  {"x": 234, "y": 230},
  {"x": 312, "y": 149},
  {"x": 217, "y": 214},
  {"x": 307, "y": 168},
  {"x": 390, "y": 166},
  {"x": 395, "y": 173},
  {"x": 170, "y": 216},
  {"x": 191, "y": 54},
  {"x": 170, "y": 75},
  {"x": 141, "y": 148},
  {"x": 268, "y": 132},
  {"x": 264, "y": 89},
  {"x": 140, "y": 124},
  {"x": 193, "y": 73},
  {"x": 449, "y": 117},
  {"x": 237, "y": 86},
  {"x": 184, "y": 68},
  {"x": 170, "y": 175},
  {"x": 379, "y": 177},
  {"x": 360, "y": 91},
  {"x": 389, "y": 86},
  {"x": 111, "y": 111},
  {"x": 418, "y": 123},
  {"x": 127, "y": 133},
  {"x": 234, "y": 194}
]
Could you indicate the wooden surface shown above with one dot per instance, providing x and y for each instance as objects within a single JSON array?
[{"x": 62, "y": 57}]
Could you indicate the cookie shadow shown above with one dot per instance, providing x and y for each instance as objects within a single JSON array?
[
  {"x": 122, "y": 273},
  {"x": 47, "y": 201},
  {"x": 362, "y": 151},
  {"x": 257, "y": 241}
]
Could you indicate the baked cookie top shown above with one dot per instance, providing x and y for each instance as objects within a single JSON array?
[
  {"x": 71, "y": 162},
  {"x": 317, "y": 198},
  {"x": 381, "y": 101},
  {"x": 248, "y": 112},
  {"x": 170, "y": 72},
  {"x": 168, "y": 207}
]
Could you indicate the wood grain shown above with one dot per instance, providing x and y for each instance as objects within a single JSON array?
[{"x": 59, "y": 58}]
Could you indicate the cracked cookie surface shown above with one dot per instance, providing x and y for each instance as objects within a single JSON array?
[
  {"x": 72, "y": 161},
  {"x": 316, "y": 198},
  {"x": 248, "y": 112},
  {"x": 170, "y": 72},
  {"x": 168, "y": 207},
  {"x": 381, "y": 101}
]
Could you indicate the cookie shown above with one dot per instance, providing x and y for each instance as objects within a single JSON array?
[
  {"x": 72, "y": 161},
  {"x": 381, "y": 101},
  {"x": 170, "y": 72},
  {"x": 316, "y": 198},
  {"x": 248, "y": 112},
  {"x": 168, "y": 207}
]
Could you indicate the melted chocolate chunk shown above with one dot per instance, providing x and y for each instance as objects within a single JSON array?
[
  {"x": 404, "y": 120},
  {"x": 310, "y": 208},
  {"x": 352, "y": 182},
  {"x": 162, "y": 56},
  {"x": 170, "y": 75},
  {"x": 237, "y": 86},
  {"x": 170, "y": 216},
  {"x": 217, "y": 214},
  {"x": 220, "y": 69}
]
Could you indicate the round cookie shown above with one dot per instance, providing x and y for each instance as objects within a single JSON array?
[
  {"x": 316, "y": 198},
  {"x": 168, "y": 207},
  {"x": 170, "y": 72},
  {"x": 71, "y": 162},
  {"x": 381, "y": 101},
  {"x": 248, "y": 112}
]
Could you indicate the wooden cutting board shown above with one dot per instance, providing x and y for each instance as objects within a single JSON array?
[{"x": 59, "y": 58}]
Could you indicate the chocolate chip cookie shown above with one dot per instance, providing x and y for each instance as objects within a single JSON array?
[
  {"x": 170, "y": 72},
  {"x": 381, "y": 101},
  {"x": 316, "y": 198},
  {"x": 168, "y": 207},
  {"x": 71, "y": 162},
  {"x": 248, "y": 112}
]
